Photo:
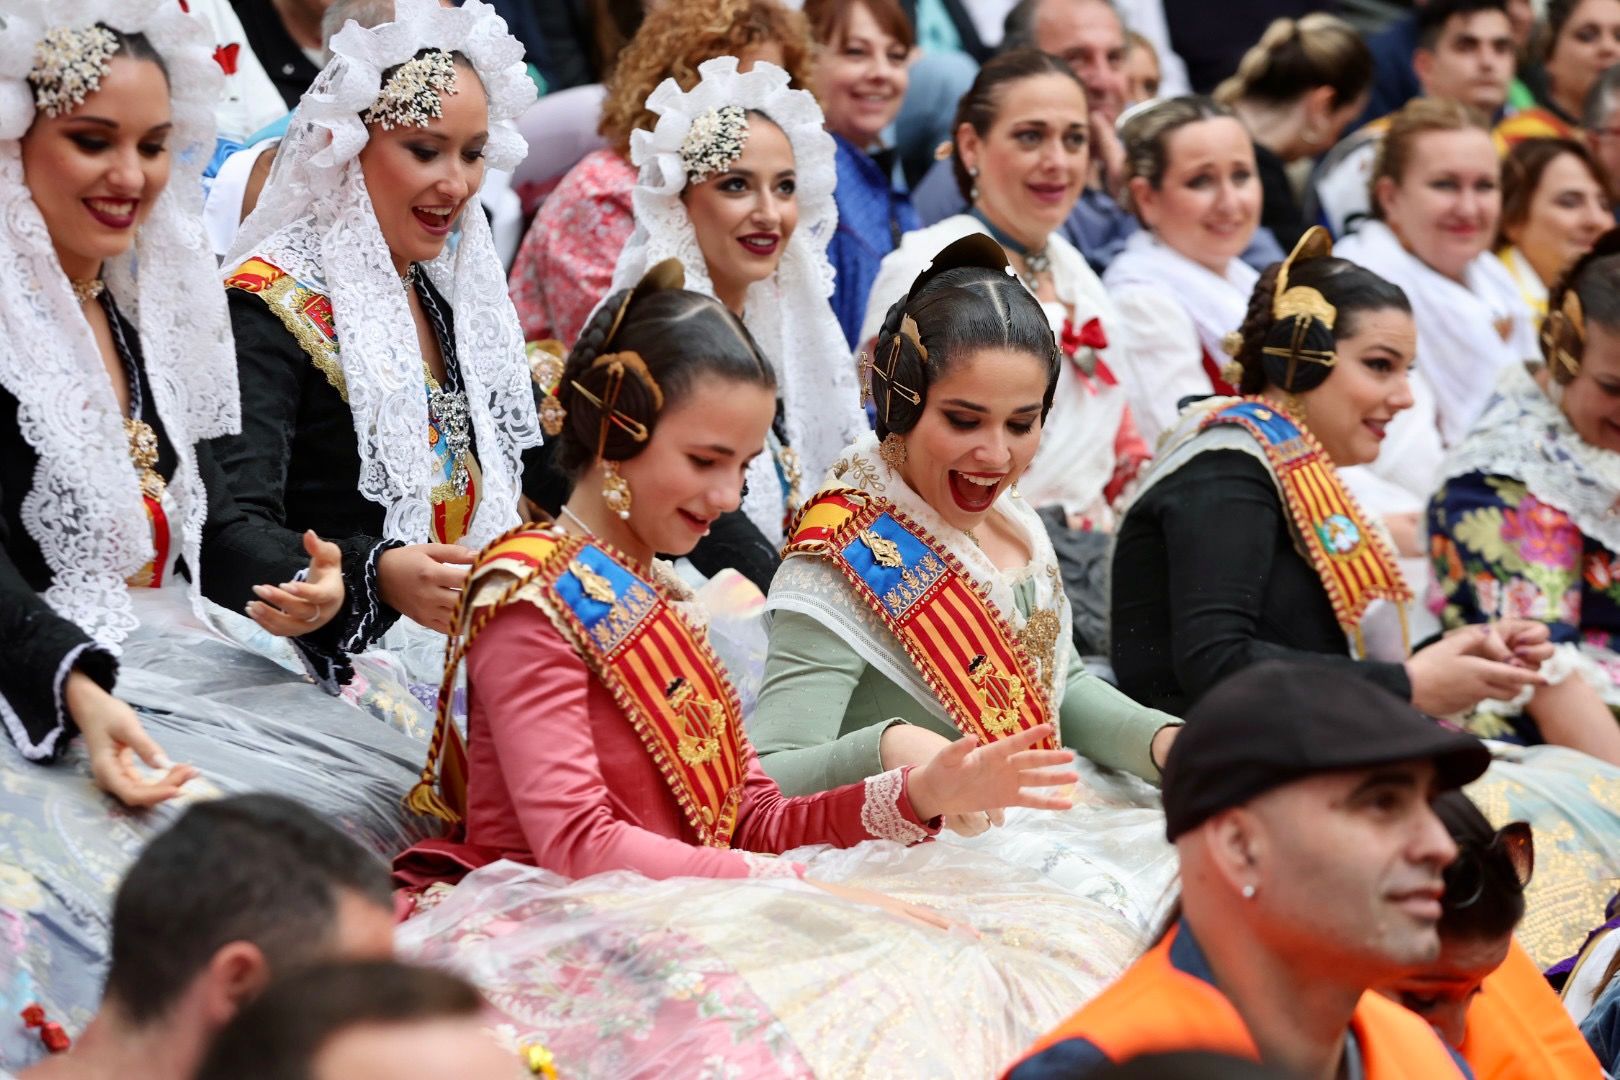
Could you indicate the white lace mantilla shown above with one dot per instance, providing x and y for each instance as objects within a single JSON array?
[
  {"x": 880, "y": 809},
  {"x": 84, "y": 509},
  {"x": 1523, "y": 435},
  {"x": 816, "y": 588},
  {"x": 789, "y": 314},
  {"x": 316, "y": 221}
]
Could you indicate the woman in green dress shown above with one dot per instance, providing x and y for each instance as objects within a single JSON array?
[{"x": 920, "y": 596}]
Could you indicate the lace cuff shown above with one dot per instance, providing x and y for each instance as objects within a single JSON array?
[
  {"x": 1567, "y": 660},
  {"x": 885, "y": 816},
  {"x": 769, "y": 866},
  {"x": 371, "y": 617},
  {"x": 49, "y": 744}
]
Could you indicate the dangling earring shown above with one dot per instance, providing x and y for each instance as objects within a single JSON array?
[
  {"x": 616, "y": 491},
  {"x": 1294, "y": 407},
  {"x": 973, "y": 193},
  {"x": 893, "y": 451}
]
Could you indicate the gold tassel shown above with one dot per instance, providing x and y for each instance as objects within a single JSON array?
[{"x": 424, "y": 799}]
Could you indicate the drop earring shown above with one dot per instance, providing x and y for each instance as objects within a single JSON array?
[
  {"x": 893, "y": 451},
  {"x": 615, "y": 491},
  {"x": 973, "y": 192},
  {"x": 1294, "y": 407}
]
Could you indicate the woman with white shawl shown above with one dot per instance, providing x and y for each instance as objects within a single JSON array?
[
  {"x": 1021, "y": 191},
  {"x": 737, "y": 184},
  {"x": 1180, "y": 284},
  {"x": 114, "y": 519},
  {"x": 1436, "y": 200},
  {"x": 389, "y": 400}
]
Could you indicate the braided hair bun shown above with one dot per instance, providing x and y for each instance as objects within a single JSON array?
[
  {"x": 963, "y": 301},
  {"x": 640, "y": 353}
]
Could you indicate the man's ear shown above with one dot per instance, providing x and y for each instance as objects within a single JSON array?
[{"x": 237, "y": 973}]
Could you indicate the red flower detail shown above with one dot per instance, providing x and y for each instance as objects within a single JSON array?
[
  {"x": 1543, "y": 535},
  {"x": 225, "y": 57},
  {"x": 34, "y": 1015},
  {"x": 55, "y": 1039}
]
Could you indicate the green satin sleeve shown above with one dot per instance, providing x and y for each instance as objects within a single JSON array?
[{"x": 1101, "y": 723}]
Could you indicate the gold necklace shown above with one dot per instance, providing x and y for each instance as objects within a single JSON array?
[{"x": 88, "y": 290}]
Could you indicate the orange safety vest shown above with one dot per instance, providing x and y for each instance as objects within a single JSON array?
[
  {"x": 1155, "y": 1007},
  {"x": 1518, "y": 1029}
]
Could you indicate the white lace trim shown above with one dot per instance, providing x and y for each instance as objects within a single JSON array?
[
  {"x": 789, "y": 314},
  {"x": 45, "y": 749},
  {"x": 880, "y": 810},
  {"x": 1523, "y": 435},
  {"x": 816, "y": 588},
  {"x": 84, "y": 509},
  {"x": 769, "y": 866},
  {"x": 315, "y": 221}
]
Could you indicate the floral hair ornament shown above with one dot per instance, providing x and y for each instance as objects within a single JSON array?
[
  {"x": 413, "y": 95},
  {"x": 69, "y": 64},
  {"x": 714, "y": 142},
  {"x": 1303, "y": 328}
]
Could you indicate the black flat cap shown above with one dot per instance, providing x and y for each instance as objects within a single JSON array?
[{"x": 1281, "y": 720}]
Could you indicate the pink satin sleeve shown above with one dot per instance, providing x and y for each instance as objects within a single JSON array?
[{"x": 533, "y": 691}]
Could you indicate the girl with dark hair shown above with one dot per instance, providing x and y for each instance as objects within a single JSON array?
[
  {"x": 1021, "y": 157},
  {"x": 1521, "y": 525},
  {"x": 920, "y": 596},
  {"x": 1582, "y": 39},
  {"x": 1245, "y": 544},
  {"x": 1483, "y": 994},
  {"x": 604, "y": 735}
]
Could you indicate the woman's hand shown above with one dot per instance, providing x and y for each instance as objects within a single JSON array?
[
  {"x": 965, "y": 777},
  {"x": 114, "y": 738},
  {"x": 423, "y": 582},
  {"x": 303, "y": 607},
  {"x": 915, "y": 913},
  {"x": 1464, "y": 668},
  {"x": 1528, "y": 641}
]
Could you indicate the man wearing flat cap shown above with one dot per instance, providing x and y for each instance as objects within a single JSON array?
[{"x": 1298, "y": 799}]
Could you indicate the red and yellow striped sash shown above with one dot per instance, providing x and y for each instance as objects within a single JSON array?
[
  {"x": 1349, "y": 555},
  {"x": 954, "y": 636},
  {"x": 660, "y": 670}
]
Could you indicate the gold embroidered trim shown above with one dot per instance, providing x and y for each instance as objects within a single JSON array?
[{"x": 280, "y": 296}]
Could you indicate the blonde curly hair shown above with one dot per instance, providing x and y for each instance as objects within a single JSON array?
[{"x": 677, "y": 37}]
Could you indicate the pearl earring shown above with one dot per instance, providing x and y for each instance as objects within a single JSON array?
[
  {"x": 973, "y": 193},
  {"x": 1248, "y": 892}
]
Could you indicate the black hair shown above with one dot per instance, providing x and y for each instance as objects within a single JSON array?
[
  {"x": 1595, "y": 278},
  {"x": 982, "y": 102},
  {"x": 277, "y": 1036},
  {"x": 1433, "y": 16},
  {"x": 963, "y": 302},
  {"x": 258, "y": 868},
  {"x": 1350, "y": 288},
  {"x": 1500, "y": 902},
  {"x": 680, "y": 336}
]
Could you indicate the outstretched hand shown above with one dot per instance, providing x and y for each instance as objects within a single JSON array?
[
  {"x": 302, "y": 607},
  {"x": 114, "y": 738},
  {"x": 965, "y": 777}
]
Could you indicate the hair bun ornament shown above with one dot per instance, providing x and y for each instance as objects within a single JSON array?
[
  {"x": 1563, "y": 331},
  {"x": 1300, "y": 350}
]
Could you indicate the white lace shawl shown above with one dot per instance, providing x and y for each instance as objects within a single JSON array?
[
  {"x": 818, "y": 589},
  {"x": 789, "y": 314},
  {"x": 315, "y": 221},
  {"x": 84, "y": 509},
  {"x": 1522, "y": 434}
]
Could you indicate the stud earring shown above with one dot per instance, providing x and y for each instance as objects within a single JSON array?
[
  {"x": 893, "y": 451},
  {"x": 616, "y": 491},
  {"x": 1248, "y": 892}
]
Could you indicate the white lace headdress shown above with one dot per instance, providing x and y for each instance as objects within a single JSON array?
[
  {"x": 789, "y": 314},
  {"x": 315, "y": 221},
  {"x": 84, "y": 509}
]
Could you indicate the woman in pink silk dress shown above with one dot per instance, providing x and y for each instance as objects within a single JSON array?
[{"x": 604, "y": 736}]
